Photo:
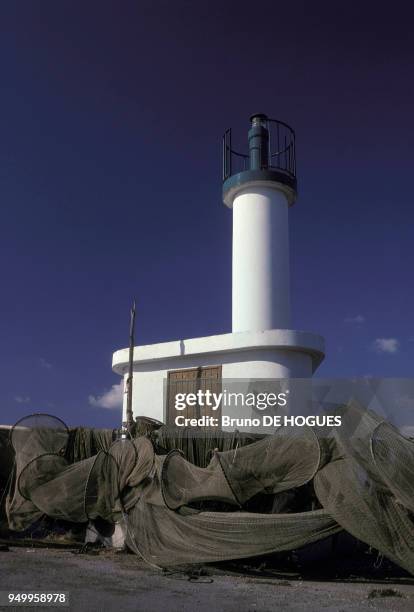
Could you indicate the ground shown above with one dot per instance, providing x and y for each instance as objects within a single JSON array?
[{"x": 120, "y": 582}]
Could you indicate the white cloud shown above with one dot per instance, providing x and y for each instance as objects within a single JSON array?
[
  {"x": 386, "y": 345},
  {"x": 44, "y": 364},
  {"x": 22, "y": 399},
  {"x": 111, "y": 399},
  {"x": 407, "y": 431},
  {"x": 358, "y": 319}
]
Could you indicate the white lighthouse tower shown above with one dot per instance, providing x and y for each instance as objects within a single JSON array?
[
  {"x": 259, "y": 186},
  {"x": 260, "y": 197}
]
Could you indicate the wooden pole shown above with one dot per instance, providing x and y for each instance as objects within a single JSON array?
[{"x": 129, "y": 413}]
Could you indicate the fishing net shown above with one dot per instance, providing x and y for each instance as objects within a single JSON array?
[
  {"x": 369, "y": 488},
  {"x": 197, "y": 445},
  {"x": 83, "y": 443},
  {"x": 30, "y": 437},
  {"x": 191, "y": 505}
]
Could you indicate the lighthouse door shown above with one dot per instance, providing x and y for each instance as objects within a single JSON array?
[{"x": 192, "y": 380}]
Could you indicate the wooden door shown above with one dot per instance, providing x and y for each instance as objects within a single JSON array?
[{"x": 190, "y": 381}]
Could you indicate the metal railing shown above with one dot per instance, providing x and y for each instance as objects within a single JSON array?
[{"x": 282, "y": 153}]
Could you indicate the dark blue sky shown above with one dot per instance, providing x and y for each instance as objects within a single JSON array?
[{"x": 110, "y": 173}]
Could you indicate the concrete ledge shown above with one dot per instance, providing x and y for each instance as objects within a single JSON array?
[
  {"x": 286, "y": 339},
  {"x": 272, "y": 179}
]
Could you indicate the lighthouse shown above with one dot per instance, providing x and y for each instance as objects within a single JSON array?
[
  {"x": 259, "y": 187},
  {"x": 260, "y": 196}
]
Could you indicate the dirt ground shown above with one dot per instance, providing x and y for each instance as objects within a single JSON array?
[{"x": 121, "y": 582}]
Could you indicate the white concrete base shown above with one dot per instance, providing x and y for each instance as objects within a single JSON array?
[{"x": 270, "y": 354}]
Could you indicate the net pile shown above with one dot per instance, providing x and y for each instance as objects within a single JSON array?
[{"x": 177, "y": 512}]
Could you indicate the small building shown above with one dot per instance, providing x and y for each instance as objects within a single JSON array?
[{"x": 259, "y": 187}]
